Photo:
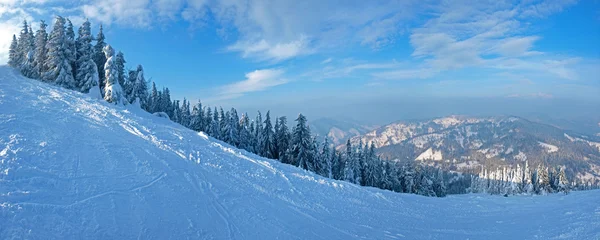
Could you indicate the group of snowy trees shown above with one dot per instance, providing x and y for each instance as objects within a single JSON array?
[
  {"x": 298, "y": 147},
  {"x": 72, "y": 62},
  {"x": 508, "y": 181}
]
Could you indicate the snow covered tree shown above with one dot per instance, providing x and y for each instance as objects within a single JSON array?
[
  {"x": 120, "y": 61},
  {"x": 41, "y": 52},
  {"x": 563, "y": 182},
  {"x": 99, "y": 56},
  {"x": 326, "y": 159},
  {"x": 351, "y": 165},
  {"x": 87, "y": 71},
  {"x": 215, "y": 127},
  {"x": 71, "y": 47},
  {"x": 153, "y": 100},
  {"x": 58, "y": 68},
  {"x": 197, "y": 117},
  {"x": 282, "y": 139},
  {"x": 13, "y": 59},
  {"x": 267, "y": 138},
  {"x": 139, "y": 89},
  {"x": 244, "y": 133},
  {"x": 23, "y": 46},
  {"x": 113, "y": 93},
  {"x": 184, "y": 113},
  {"x": 302, "y": 150},
  {"x": 27, "y": 67}
]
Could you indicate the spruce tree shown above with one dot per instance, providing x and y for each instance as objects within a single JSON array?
[
  {"x": 349, "y": 164},
  {"x": 13, "y": 60},
  {"x": 71, "y": 48},
  {"x": 302, "y": 150},
  {"x": 41, "y": 51},
  {"x": 87, "y": 71},
  {"x": 282, "y": 136},
  {"x": 267, "y": 138},
  {"x": 99, "y": 56},
  {"x": 139, "y": 89},
  {"x": 58, "y": 69},
  {"x": 23, "y": 46},
  {"x": 113, "y": 93},
  {"x": 120, "y": 61},
  {"x": 27, "y": 68}
]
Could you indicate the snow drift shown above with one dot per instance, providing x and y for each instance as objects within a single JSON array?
[{"x": 79, "y": 168}]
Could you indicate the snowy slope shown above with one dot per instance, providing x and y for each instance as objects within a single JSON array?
[{"x": 76, "y": 168}]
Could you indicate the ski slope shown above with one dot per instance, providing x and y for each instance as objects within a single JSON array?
[{"x": 72, "y": 167}]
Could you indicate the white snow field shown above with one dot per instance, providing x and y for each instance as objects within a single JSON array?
[{"x": 76, "y": 168}]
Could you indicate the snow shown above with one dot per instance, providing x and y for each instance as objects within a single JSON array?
[
  {"x": 430, "y": 154},
  {"x": 521, "y": 156},
  {"x": 73, "y": 167},
  {"x": 549, "y": 147},
  {"x": 593, "y": 144}
]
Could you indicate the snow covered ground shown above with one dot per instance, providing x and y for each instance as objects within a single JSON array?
[{"x": 76, "y": 168}]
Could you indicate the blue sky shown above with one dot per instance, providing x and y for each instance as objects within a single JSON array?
[{"x": 318, "y": 54}]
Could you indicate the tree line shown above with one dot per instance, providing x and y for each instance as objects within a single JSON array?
[{"x": 89, "y": 65}]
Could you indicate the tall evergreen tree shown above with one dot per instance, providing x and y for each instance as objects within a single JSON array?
[
  {"x": 13, "y": 58},
  {"x": 41, "y": 51},
  {"x": 267, "y": 137},
  {"x": 139, "y": 89},
  {"x": 302, "y": 149},
  {"x": 87, "y": 71},
  {"x": 113, "y": 93},
  {"x": 99, "y": 56},
  {"x": 58, "y": 69},
  {"x": 120, "y": 61},
  {"x": 71, "y": 47},
  {"x": 23, "y": 46},
  {"x": 28, "y": 66}
]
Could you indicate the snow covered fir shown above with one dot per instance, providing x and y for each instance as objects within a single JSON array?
[{"x": 90, "y": 149}]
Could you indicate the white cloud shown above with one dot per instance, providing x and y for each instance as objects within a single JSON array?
[
  {"x": 255, "y": 81},
  {"x": 266, "y": 51},
  {"x": 411, "y": 74}
]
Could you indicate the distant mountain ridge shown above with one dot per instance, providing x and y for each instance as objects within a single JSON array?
[
  {"x": 465, "y": 144},
  {"x": 339, "y": 131}
]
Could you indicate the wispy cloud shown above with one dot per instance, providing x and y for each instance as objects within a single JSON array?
[{"x": 258, "y": 80}]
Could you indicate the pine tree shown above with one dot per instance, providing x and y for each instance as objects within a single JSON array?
[
  {"x": 244, "y": 132},
  {"x": 13, "y": 60},
  {"x": 41, "y": 51},
  {"x": 113, "y": 93},
  {"x": 197, "y": 117},
  {"x": 23, "y": 46},
  {"x": 216, "y": 126},
  {"x": 185, "y": 113},
  {"x": 282, "y": 136},
  {"x": 153, "y": 100},
  {"x": 58, "y": 69},
  {"x": 302, "y": 153},
  {"x": 349, "y": 164},
  {"x": 87, "y": 71},
  {"x": 267, "y": 138},
  {"x": 326, "y": 159},
  {"x": 120, "y": 61},
  {"x": 99, "y": 57},
  {"x": 139, "y": 89},
  {"x": 563, "y": 182},
  {"x": 27, "y": 68},
  {"x": 71, "y": 48}
]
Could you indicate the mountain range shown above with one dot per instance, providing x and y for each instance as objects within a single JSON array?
[{"x": 466, "y": 144}]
